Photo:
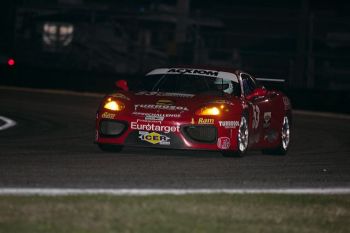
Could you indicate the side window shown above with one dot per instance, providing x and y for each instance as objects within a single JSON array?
[{"x": 248, "y": 84}]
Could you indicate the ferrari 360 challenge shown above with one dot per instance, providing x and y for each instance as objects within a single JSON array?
[{"x": 195, "y": 108}]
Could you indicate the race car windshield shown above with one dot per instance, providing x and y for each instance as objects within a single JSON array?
[{"x": 182, "y": 83}]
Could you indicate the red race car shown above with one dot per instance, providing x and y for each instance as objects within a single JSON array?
[{"x": 194, "y": 108}]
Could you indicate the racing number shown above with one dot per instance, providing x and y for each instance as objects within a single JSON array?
[{"x": 256, "y": 113}]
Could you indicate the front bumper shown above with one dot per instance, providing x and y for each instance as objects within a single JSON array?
[{"x": 166, "y": 134}]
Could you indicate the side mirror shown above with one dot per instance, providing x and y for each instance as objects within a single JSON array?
[
  {"x": 258, "y": 92},
  {"x": 122, "y": 85}
]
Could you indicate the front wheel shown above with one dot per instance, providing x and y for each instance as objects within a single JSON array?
[
  {"x": 242, "y": 140},
  {"x": 283, "y": 147}
]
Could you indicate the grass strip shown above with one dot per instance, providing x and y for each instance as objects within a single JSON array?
[{"x": 170, "y": 213}]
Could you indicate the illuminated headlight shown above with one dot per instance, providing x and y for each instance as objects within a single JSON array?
[
  {"x": 113, "y": 105},
  {"x": 208, "y": 111}
]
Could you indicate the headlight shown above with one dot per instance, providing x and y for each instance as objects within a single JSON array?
[
  {"x": 113, "y": 105},
  {"x": 208, "y": 111}
]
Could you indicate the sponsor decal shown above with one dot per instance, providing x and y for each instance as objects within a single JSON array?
[
  {"x": 120, "y": 96},
  {"x": 256, "y": 113},
  {"x": 286, "y": 103},
  {"x": 153, "y": 127},
  {"x": 271, "y": 135},
  {"x": 164, "y": 94},
  {"x": 165, "y": 102},
  {"x": 229, "y": 124},
  {"x": 108, "y": 115},
  {"x": 267, "y": 119},
  {"x": 162, "y": 107},
  {"x": 96, "y": 135},
  {"x": 205, "y": 121},
  {"x": 154, "y": 138},
  {"x": 192, "y": 121},
  {"x": 163, "y": 115},
  {"x": 154, "y": 118},
  {"x": 194, "y": 71},
  {"x": 223, "y": 143}
]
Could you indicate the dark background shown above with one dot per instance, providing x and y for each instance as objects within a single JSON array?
[{"x": 86, "y": 45}]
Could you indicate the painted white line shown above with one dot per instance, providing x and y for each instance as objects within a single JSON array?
[
  {"x": 145, "y": 192},
  {"x": 98, "y": 95},
  {"x": 8, "y": 123}
]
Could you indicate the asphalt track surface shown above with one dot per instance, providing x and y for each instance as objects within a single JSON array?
[{"x": 52, "y": 147}]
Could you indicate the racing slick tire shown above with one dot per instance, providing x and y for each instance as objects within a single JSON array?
[
  {"x": 283, "y": 146},
  {"x": 110, "y": 148},
  {"x": 242, "y": 139}
]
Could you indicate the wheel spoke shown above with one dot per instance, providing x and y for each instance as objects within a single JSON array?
[
  {"x": 243, "y": 135},
  {"x": 285, "y": 134}
]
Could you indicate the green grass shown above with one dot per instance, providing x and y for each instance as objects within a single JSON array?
[{"x": 169, "y": 213}]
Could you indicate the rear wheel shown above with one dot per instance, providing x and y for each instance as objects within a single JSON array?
[
  {"x": 283, "y": 147},
  {"x": 242, "y": 140},
  {"x": 110, "y": 148}
]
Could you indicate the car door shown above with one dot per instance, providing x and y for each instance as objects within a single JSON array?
[{"x": 259, "y": 109}]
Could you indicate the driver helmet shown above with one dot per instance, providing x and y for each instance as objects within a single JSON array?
[{"x": 224, "y": 85}]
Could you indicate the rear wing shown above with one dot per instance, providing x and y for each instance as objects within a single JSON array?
[
  {"x": 273, "y": 83},
  {"x": 271, "y": 80}
]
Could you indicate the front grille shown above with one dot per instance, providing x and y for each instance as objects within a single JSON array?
[
  {"x": 112, "y": 128},
  {"x": 203, "y": 133}
]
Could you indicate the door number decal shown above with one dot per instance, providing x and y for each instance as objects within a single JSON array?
[{"x": 256, "y": 113}]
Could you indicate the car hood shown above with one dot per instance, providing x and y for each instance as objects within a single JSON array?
[{"x": 172, "y": 104}]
